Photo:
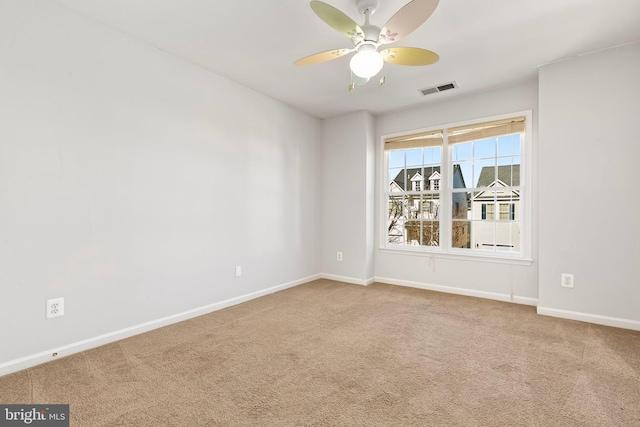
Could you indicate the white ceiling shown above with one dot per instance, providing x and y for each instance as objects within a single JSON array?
[{"x": 482, "y": 44}]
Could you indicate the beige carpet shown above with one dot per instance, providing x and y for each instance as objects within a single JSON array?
[{"x": 333, "y": 354}]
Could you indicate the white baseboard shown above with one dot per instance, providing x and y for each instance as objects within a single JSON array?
[
  {"x": 346, "y": 279},
  {"x": 460, "y": 291},
  {"x": 76, "y": 347},
  {"x": 616, "y": 322}
]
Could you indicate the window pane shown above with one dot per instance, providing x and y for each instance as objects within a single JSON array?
[
  {"x": 461, "y": 205},
  {"x": 430, "y": 233},
  {"x": 507, "y": 161},
  {"x": 509, "y": 171},
  {"x": 432, "y": 156},
  {"x": 483, "y": 235},
  {"x": 413, "y": 206},
  {"x": 507, "y": 236},
  {"x": 490, "y": 211},
  {"x": 517, "y": 144},
  {"x": 484, "y": 172},
  {"x": 397, "y": 179},
  {"x": 506, "y": 172},
  {"x": 485, "y": 148},
  {"x": 397, "y": 216},
  {"x": 462, "y": 175},
  {"x": 462, "y": 152},
  {"x": 430, "y": 207},
  {"x": 412, "y": 230},
  {"x": 483, "y": 205},
  {"x": 509, "y": 145},
  {"x": 396, "y": 159},
  {"x": 517, "y": 176},
  {"x": 505, "y": 208},
  {"x": 461, "y": 234},
  {"x": 414, "y": 157}
]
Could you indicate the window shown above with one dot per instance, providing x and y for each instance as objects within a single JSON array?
[
  {"x": 416, "y": 186},
  {"x": 507, "y": 211},
  {"x": 435, "y": 184},
  {"x": 413, "y": 210},
  {"x": 473, "y": 192},
  {"x": 488, "y": 211}
]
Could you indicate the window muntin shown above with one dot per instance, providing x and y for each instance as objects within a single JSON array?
[{"x": 482, "y": 187}]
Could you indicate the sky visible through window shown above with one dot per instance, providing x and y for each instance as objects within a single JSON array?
[{"x": 471, "y": 156}]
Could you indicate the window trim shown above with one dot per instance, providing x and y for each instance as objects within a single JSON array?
[{"x": 446, "y": 251}]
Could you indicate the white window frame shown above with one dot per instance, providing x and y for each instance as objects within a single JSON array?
[{"x": 445, "y": 250}]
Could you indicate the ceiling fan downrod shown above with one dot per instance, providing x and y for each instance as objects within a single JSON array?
[{"x": 371, "y": 32}]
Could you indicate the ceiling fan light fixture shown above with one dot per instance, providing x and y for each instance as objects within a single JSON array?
[
  {"x": 367, "y": 62},
  {"x": 357, "y": 80},
  {"x": 367, "y": 38}
]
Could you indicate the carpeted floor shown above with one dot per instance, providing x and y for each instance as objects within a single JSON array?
[{"x": 333, "y": 354}]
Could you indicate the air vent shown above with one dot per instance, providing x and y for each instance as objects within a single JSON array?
[{"x": 439, "y": 88}]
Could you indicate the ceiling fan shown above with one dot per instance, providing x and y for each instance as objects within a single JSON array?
[{"x": 366, "y": 38}]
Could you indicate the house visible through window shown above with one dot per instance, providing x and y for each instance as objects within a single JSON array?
[
  {"x": 416, "y": 182},
  {"x": 435, "y": 181},
  {"x": 507, "y": 211},
  {"x": 488, "y": 211},
  {"x": 414, "y": 209},
  {"x": 466, "y": 188}
]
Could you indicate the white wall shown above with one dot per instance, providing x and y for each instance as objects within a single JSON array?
[
  {"x": 132, "y": 183},
  {"x": 347, "y": 197},
  {"x": 506, "y": 281},
  {"x": 588, "y": 175}
]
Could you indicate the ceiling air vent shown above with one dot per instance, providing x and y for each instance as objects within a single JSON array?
[{"x": 439, "y": 88}]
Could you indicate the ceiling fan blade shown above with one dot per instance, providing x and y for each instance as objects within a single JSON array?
[
  {"x": 337, "y": 20},
  {"x": 409, "y": 56},
  {"x": 407, "y": 19},
  {"x": 322, "y": 56}
]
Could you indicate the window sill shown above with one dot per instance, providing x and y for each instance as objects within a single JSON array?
[{"x": 513, "y": 260}]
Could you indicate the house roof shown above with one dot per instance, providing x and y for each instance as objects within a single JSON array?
[
  {"x": 426, "y": 172},
  {"x": 508, "y": 174}
]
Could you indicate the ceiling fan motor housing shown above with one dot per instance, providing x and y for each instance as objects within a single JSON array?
[{"x": 371, "y": 33}]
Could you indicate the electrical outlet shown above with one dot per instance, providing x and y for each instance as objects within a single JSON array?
[
  {"x": 566, "y": 280},
  {"x": 339, "y": 256},
  {"x": 54, "y": 308},
  {"x": 238, "y": 270}
]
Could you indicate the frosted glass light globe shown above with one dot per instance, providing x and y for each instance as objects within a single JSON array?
[
  {"x": 357, "y": 80},
  {"x": 366, "y": 63}
]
